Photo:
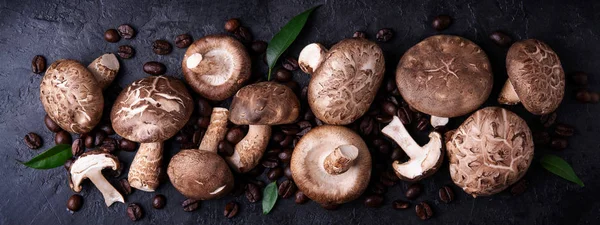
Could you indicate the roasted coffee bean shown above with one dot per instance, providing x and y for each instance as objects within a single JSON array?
[
  {"x": 33, "y": 140},
  {"x": 386, "y": 181},
  {"x": 564, "y": 130},
  {"x": 243, "y": 34},
  {"x": 330, "y": 206},
  {"x": 290, "y": 63},
  {"x": 441, "y": 22},
  {"x": 373, "y": 201},
  {"x": 287, "y": 141},
  {"x": 134, "y": 212},
  {"x": 74, "y": 203},
  {"x": 389, "y": 108},
  {"x": 275, "y": 173},
  {"x": 384, "y": 149},
  {"x": 51, "y": 125},
  {"x": 559, "y": 144},
  {"x": 112, "y": 35},
  {"x": 126, "y": 31},
  {"x": 548, "y": 120},
  {"x": 203, "y": 122},
  {"x": 423, "y": 124},
  {"x": 519, "y": 188},
  {"x": 541, "y": 138},
  {"x": 423, "y": 211},
  {"x": 272, "y": 153},
  {"x": 260, "y": 183},
  {"x": 301, "y": 198},
  {"x": 594, "y": 97},
  {"x": 287, "y": 172},
  {"x": 286, "y": 189},
  {"x": 127, "y": 145},
  {"x": 225, "y": 148},
  {"x": 413, "y": 191},
  {"x": 309, "y": 115},
  {"x": 446, "y": 194},
  {"x": 378, "y": 188},
  {"x": 204, "y": 108},
  {"x": 384, "y": 119},
  {"x": 159, "y": 201},
  {"x": 399, "y": 204},
  {"x": 125, "y": 187},
  {"x": 583, "y": 96},
  {"x": 285, "y": 156},
  {"x": 366, "y": 125},
  {"x": 107, "y": 128},
  {"x": 99, "y": 137},
  {"x": 359, "y": 34},
  {"x": 63, "y": 137},
  {"x": 258, "y": 47},
  {"x": 183, "y": 40},
  {"x": 384, "y": 35},
  {"x": 126, "y": 51},
  {"x": 68, "y": 164},
  {"x": 197, "y": 137},
  {"x": 161, "y": 47},
  {"x": 115, "y": 173},
  {"x": 377, "y": 141},
  {"x": 270, "y": 162},
  {"x": 231, "y": 209},
  {"x": 155, "y": 68},
  {"x": 501, "y": 39},
  {"x": 232, "y": 25},
  {"x": 253, "y": 192},
  {"x": 283, "y": 75},
  {"x": 78, "y": 147},
  {"x": 190, "y": 205},
  {"x": 278, "y": 136},
  {"x": 405, "y": 115},
  {"x": 580, "y": 78},
  {"x": 290, "y": 129},
  {"x": 397, "y": 154},
  {"x": 38, "y": 64},
  {"x": 90, "y": 138},
  {"x": 109, "y": 145}
]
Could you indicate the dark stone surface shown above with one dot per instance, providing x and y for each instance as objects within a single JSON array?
[{"x": 74, "y": 29}]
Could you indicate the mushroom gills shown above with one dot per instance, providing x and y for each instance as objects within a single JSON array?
[
  {"x": 214, "y": 67},
  {"x": 508, "y": 95}
]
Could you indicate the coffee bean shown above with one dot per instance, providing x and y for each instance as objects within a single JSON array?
[
  {"x": 559, "y": 144},
  {"x": 125, "y": 187},
  {"x": 51, "y": 125},
  {"x": 275, "y": 173},
  {"x": 386, "y": 181},
  {"x": 183, "y": 40},
  {"x": 161, "y": 47},
  {"x": 231, "y": 209},
  {"x": 283, "y": 75},
  {"x": 423, "y": 211},
  {"x": 384, "y": 35},
  {"x": 126, "y": 51},
  {"x": 564, "y": 130},
  {"x": 287, "y": 141},
  {"x": 109, "y": 145},
  {"x": 74, "y": 203},
  {"x": 287, "y": 172},
  {"x": 541, "y": 138},
  {"x": 127, "y": 145},
  {"x": 397, "y": 154},
  {"x": 270, "y": 162},
  {"x": 373, "y": 201},
  {"x": 159, "y": 201},
  {"x": 405, "y": 115},
  {"x": 548, "y": 120},
  {"x": 519, "y": 188},
  {"x": 63, "y": 137},
  {"x": 423, "y": 124},
  {"x": 413, "y": 191},
  {"x": 285, "y": 156},
  {"x": 114, "y": 173},
  {"x": 286, "y": 189},
  {"x": 330, "y": 206},
  {"x": 126, "y": 31},
  {"x": 441, "y": 22},
  {"x": 112, "y": 36},
  {"x": 359, "y": 34},
  {"x": 243, "y": 34},
  {"x": 232, "y": 25},
  {"x": 89, "y": 140},
  {"x": 253, "y": 192},
  {"x": 68, "y": 164},
  {"x": 204, "y": 108},
  {"x": 399, "y": 204},
  {"x": 33, "y": 140},
  {"x": 134, "y": 212},
  {"x": 38, "y": 64},
  {"x": 580, "y": 78},
  {"x": 272, "y": 153},
  {"x": 383, "y": 119},
  {"x": 301, "y": 198},
  {"x": 384, "y": 149},
  {"x": 155, "y": 68},
  {"x": 190, "y": 205},
  {"x": 501, "y": 39},
  {"x": 366, "y": 126},
  {"x": 308, "y": 116},
  {"x": 583, "y": 96},
  {"x": 290, "y": 129},
  {"x": 197, "y": 137},
  {"x": 594, "y": 97},
  {"x": 225, "y": 148},
  {"x": 99, "y": 137},
  {"x": 78, "y": 147},
  {"x": 203, "y": 122},
  {"x": 107, "y": 128},
  {"x": 389, "y": 108},
  {"x": 446, "y": 194},
  {"x": 290, "y": 63},
  {"x": 259, "y": 47}
]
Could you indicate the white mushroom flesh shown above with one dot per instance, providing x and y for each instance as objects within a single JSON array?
[
  {"x": 439, "y": 121},
  {"x": 90, "y": 166},
  {"x": 508, "y": 95},
  {"x": 105, "y": 69},
  {"x": 311, "y": 57},
  {"x": 193, "y": 60}
]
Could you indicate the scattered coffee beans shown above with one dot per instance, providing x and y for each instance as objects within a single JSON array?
[
  {"x": 78, "y": 147},
  {"x": 594, "y": 97},
  {"x": 441, "y": 22},
  {"x": 232, "y": 25},
  {"x": 399, "y": 204},
  {"x": 112, "y": 36},
  {"x": 183, "y": 40},
  {"x": 231, "y": 209},
  {"x": 125, "y": 187},
  {"x": 583, "y": 96},
  {"x": 225, "y": 148},
  {"x": 564, "y": 130},
  {"x": 33, "y": 140},
  {"x": 99, "y": 137},
  {"x": 253, "y": 192},
  {"x": 235, "y": 135},
  {"x": 63, "y": 137},
  {"x": 126, "y": 31},
  {"x": 501, "y": 39},
  {"x": 288, "y": 172},
  {"x": 159, "y": 201},
  {"x": 107, "y": 128},
  {"x": 89, "y": 140},
  {"x": 559, "y": 144},
  {"x": 548, "y": 120},
  {"x": 359, "y": 34},
  {"x": 161, "y": 47},
  {"x": 290, "y": 63},
  {"x": 413, "y": 191},
  {"x": 301, "y": 198},
  {"x": 243, "y": 34},
  {"x": 109, "y": 145},
  {"x": 275, "y": 173},
  {"x": 446, "y": 194},
  {"x": 127, "y": 145},
  {"x": 422, "y": 124},
  {"x": 74, "y": 203},
  {"x": 286, "y": 189},
  {"x": 283, "y": 75},
  {"x": 134, "y": 212},
  {"x": 259, "y": 47},
  {"x": 373, "y": 201},
  {"x": 68, "y": 164},
  {"x": 126, "y": 51},
  {"x": 38, "y": 64},
  {"x": 51, "y": 125},
  {"x": 423, "y": 211},
  {"x": 384, "y": 35},
  {"x": 155, "y": 68},
  {"x": 405, "y": 115},
  {"x": 285, "y": 156},
  {"x": 190, "y": 205}
]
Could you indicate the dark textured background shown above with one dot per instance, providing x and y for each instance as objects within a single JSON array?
[{"x": 74, "y": 29}]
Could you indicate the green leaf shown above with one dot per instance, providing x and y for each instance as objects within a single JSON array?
[
  {"x": 560, "y": 167},
  {"x": 269, "y": 197},
  {"x": 282, "y": 40},
  {"x": 52, "y": 158}
]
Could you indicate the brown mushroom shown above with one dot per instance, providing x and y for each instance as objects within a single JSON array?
[
  {"x": 536, "y": 77},
  {"x": 104, "y": 69},
  {"x": 90, "y": 165},
  {"x": 150, "y": 111},
  {"x": 71, "y": 96},
  {"x": 201, "y": 173},
  {"x": 331, "y": 165},
  {"x": 444, "y": 76},
  {"x": 343, "y": 87},
  {"x": 490, "y": 151},
  {"x": 260, "y": 105},
  {"x": 216, "y": 66}
]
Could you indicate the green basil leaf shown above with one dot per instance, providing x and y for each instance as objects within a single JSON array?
[
  {"x": 269, "y": 197},
  {"x": 560, "y": 167},
  {"x": 52, "y": 158},
  {"x": 284, "y": 38}
]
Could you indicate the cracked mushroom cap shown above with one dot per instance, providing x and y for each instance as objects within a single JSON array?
[
  {"x": 536, "y": 74},
  {"x": 490, "y": 151},
  {"x": 344, "y": 85},
  {"x": 264, "y": 103},
  {"x": 444, "y": 76},
  {"x": 71, "y": 96},
  {"x": 89, "y": 166},
  {"x": 315, "y": 178},
  {"x": 216, "y": 66},
  {"x": 152, "y": 109}
]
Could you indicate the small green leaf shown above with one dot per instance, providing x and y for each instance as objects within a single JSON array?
[
  {"x": 269, "y": 197},
  {"x": 560, "y": 167},
  {"x": 54, "y": 157},
  {"x": 282, "y": 40}
]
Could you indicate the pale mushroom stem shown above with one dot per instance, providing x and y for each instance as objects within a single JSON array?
[
  {"x": 146, "y": 167},
  {"x": 340, "y": 160},
  {"x": 216, "y": 131},
  {"x": 438, "y": 121},
  {"x": 250, "y": 149},
  {"x": 110, "y": 194},
  {"x": 194, "y": 60},
  {"x": 400, "y": 135},
  {"x": 508, "y": 95}
]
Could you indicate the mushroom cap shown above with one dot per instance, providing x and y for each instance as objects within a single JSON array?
[
  {"x": 535, "y": 72},
  {"x": 264, "y": 103},
  {"x": 91, "y": 160},
  {"x": 309, "y": 172},
  {"x": 223, "y": 68},
  {"x": 490, "y": 151},
  {"x": 344, "y": 86},
  {"x": 188, "y": 174},
  {"x": 152, "y": 109},
  {"x": 444, "y": 76},
  {"x": 71, "y": 96}
]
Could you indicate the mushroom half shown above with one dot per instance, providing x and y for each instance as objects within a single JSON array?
[
  {"x": 90, "y": 165},
  {"x": 105, "y": 69}
]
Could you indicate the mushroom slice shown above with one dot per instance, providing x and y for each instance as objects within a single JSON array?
[
  {"x": 105, "y": 69},
  {"x": 311, "y": 57},
  {"x": 90, "y": 165},
  {"x": 424, "y": 160},
  {"x": 536, "y": 77},
  {"x": 216, "y": 66}
]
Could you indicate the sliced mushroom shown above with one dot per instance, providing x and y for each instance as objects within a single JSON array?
[
  {"x": 490, "y": 151},
  {"x": 201, "y": 173},
  {"x": 536, "y": 77},
  {"x": 260, "y": 105},
  {"x": 424, "y": 160},
  {"x": 90, "y": 166},
  {"x": 216, "y": 66},
  {"x": 150, "y": 111},
  {"x": 331, "y": 165},
  {"x": 105, "y": 69},
  {"x": 311, "y": 57}
]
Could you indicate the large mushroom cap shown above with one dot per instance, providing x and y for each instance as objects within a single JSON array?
[
  {"x": 216, "y": 66},
  {"x": 444, "y": 76},
  {"x": 71, "y": 96},
  {"x": 344, "y": 85},
  {"x": 490, "y": 151},
  {"x": 316, "y": 179},
  {"x": 264, "y": 103},
  {"x": 152, "y": 109},
  {"x": 536, "y": 74}
]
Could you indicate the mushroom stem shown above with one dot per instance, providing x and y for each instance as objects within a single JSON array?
[
  {"x": 397, "y": 132},
  {"x": 194, "y": 60},
  {"x": 146, "y": 167},
  {"x": 311, "y": 57},
  {"x": 110, "y": 194},
  {"x": 508, "y": 95},
  {"x": 340, "y": 159},
  {"x": 250, "y": 149},
  {"x": 216, "y": 131},
  {"x": 438, "y": 121}
]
